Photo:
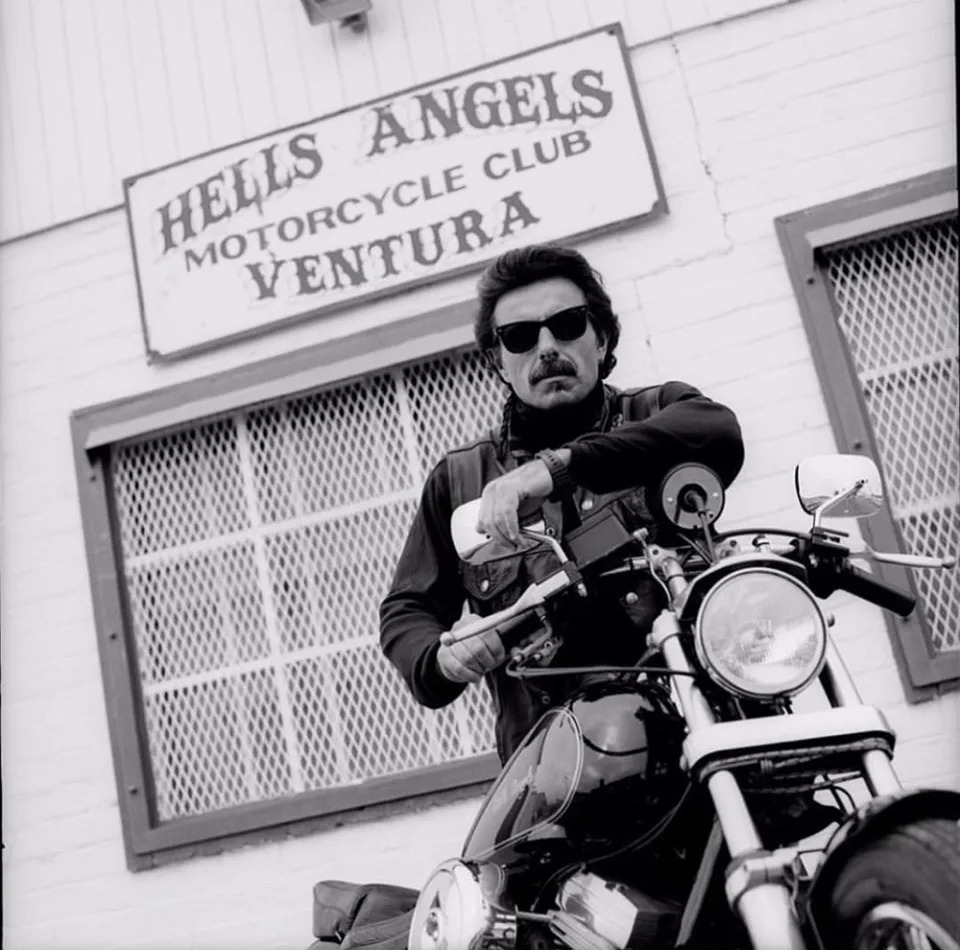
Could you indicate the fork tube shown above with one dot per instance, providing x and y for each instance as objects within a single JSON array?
[
  {"x": 836, "y": 681},
  {"x": 665, "y": 636},
  {"x": 841, "y": 691},
  {"x": 766, "y": 909},
  {"x": 769, "y": 914},
  {"x": 739, "y": 831},
  {"x": 878, "y": 771}
]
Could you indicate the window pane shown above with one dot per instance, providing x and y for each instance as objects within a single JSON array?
[
  {"x": 210, "y": 598},
  {"x": 444, "y": 403},
  {"x": 256, "y": 552},
  {"x": 179, "y": 488},
  {"x": 332, "y": 449},
  {"x": 898, "y": 303},
  {"x": 328, "y": 578}
]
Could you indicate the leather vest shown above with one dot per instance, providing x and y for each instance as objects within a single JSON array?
[{"x": 491, "y": 587}]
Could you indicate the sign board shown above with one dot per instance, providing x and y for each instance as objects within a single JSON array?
[{"x": 430, "y": 182}]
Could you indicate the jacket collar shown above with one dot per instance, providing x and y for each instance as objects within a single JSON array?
[{"x": 526, "y": 431}]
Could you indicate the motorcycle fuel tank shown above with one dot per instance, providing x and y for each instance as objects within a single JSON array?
[{"x": 592, "y": 775}]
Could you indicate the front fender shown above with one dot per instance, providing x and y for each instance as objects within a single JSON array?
[{"x": 866, "y": 825}]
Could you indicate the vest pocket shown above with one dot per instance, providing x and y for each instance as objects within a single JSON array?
[{"x": 491, "y": 587}]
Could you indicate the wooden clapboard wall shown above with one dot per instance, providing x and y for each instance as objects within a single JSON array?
[{"x": 93, "y": 91}]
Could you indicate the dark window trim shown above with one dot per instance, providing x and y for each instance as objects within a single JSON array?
[
  {"x": 306, "y": 370},
  {"x": 804, "y": 235},
  {"x": 95, "y": 429}
]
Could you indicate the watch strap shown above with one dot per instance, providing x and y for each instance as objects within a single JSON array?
[{"x": 563, "y": 485}]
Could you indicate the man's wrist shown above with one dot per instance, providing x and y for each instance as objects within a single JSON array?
[
  {"x": 556, "y": 463},
  {"x": 438, "y": 666},
  {"x": 443, "y": 684}
]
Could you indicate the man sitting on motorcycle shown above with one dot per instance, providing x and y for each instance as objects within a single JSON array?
[{"x": 568, "y": 443}]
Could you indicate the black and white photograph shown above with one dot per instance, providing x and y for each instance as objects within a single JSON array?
[{"x": 479, "y": 475}]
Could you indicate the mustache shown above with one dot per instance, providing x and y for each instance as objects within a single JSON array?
[{"x": 552, "y": 365}]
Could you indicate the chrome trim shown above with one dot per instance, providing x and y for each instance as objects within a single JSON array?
[
  {"x": 766, "y": 908},
  {"x": 688, "y": 604},
  {"x": 739, "y": 831},
  {"x": 836, "y": 680},
  {"x": 468, "y": 920},
  {"x": 769, "y": 913},
  {"x": 775, "y": 732},
  {"x": 769, "y": 867},
  {"x": 665, "y": 636},
  {"x": 884, "y": 920},
  {"x": 879, "y": 773},
  {"x": 718, "y": 675}
]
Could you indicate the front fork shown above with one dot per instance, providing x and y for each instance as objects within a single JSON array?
[{"x": 760, "y": 884}]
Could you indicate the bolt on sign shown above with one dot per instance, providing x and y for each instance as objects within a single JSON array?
[{"x": 427, "y": 183}]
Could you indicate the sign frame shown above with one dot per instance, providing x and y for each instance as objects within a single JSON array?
[{"x": 476, "y": 264}]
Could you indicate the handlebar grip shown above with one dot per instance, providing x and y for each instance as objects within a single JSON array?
[
  {"x": 863, "y": 584},
  {"x": 499, "y": 622}
]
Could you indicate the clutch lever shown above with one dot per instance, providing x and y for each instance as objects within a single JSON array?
[{"x": 534, "y": 596}]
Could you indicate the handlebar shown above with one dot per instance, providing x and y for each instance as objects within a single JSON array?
[
  {"x": 532, "y": 597},
  {"x": 836, "y": 572},
  {"x": 503, "y": 622},
  {"x": 863, "y": 584}
]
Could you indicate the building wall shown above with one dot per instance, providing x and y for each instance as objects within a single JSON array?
[{"x": 754, "y": 110}]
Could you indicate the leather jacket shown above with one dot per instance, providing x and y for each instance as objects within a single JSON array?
[{"x": 618, "y": 622}]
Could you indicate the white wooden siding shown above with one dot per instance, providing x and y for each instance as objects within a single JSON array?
[{"x": 94, "y": 91}]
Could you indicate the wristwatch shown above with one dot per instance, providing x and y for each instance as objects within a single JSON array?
[{"x": 563, "y": 485}]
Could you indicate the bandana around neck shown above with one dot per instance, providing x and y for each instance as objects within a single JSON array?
[{"x": 529, "y": 430}]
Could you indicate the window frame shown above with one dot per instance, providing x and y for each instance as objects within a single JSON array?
[
  {"x": 804, "y": 238},
  {"x": 147, "y": 841}
]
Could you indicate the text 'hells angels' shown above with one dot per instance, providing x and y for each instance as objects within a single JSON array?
[{"x": 308, "y": 250}]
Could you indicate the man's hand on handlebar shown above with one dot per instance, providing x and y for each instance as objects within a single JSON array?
[
  {"x": 466, "y": 661},
  {"x": 517, "y": 493}
]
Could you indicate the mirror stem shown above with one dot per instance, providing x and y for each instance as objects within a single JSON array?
[
  {"x": 705, "y": 526},
  {"x": 847, "y": 492}
]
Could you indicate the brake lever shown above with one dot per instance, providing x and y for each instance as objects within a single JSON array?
[{"x": 904, "y": 560}]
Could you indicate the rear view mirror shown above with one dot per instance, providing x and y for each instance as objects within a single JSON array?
[
  {"x": 839, "y": 486},
  {"x": 474, "y": 547},
  {"x": 691, "y": 496}
]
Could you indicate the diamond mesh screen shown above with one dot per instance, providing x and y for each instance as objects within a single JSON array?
[
  {"x": 897, "y": 298},
  {"x": 256, "y": 552}
]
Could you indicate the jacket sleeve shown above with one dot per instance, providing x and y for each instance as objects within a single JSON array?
[
  {"x": 425, "y": 598},
  {"x": 686, "y": 427}
]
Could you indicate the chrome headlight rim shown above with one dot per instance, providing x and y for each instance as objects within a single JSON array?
[
  {"x": 737, "y": 689},
  {"x": 455, "y": 909}
]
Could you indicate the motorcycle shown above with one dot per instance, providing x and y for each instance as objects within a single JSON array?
[{"x": 691, "y": 772}]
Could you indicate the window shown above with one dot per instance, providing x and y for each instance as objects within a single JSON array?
[
  {"x": 878, "y": 281},
  {"x": 251, "y": 552},
  {"x": 910, "y": 378}
]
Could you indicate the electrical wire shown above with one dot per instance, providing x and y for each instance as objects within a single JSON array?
[
  {"x": 696, "y": 547},
  {"x": 741, "y": 532},
  {"x": 516, "y": 672}
]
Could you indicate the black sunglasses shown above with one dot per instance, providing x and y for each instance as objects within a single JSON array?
[{"x": 565, "y": 325}]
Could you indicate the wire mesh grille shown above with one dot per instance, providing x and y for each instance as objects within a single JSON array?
[
  {"x": 256, "y": 552},
  {"x": 898, "y": 309}
]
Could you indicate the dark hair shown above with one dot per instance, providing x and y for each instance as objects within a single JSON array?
[{"x": 526, "y": 265}]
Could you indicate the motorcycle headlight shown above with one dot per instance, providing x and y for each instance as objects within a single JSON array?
[
  {"x": 760, "y": 633},
  {"x": 454, "y": 911}
]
